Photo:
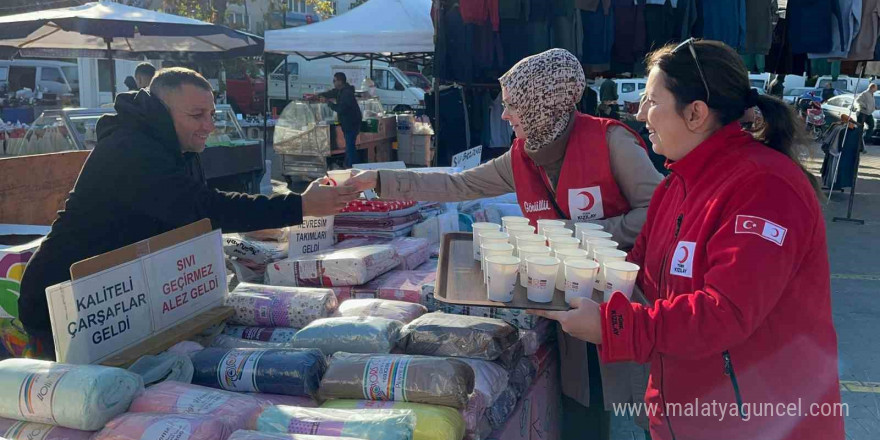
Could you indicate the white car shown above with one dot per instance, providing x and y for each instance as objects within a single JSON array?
[{"x": 837, "y": 106}]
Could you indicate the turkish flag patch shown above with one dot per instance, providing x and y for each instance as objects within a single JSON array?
[{"x": 747, "y": 224}]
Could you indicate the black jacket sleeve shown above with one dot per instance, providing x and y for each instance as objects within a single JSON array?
[{"x": 345, "y": 102}]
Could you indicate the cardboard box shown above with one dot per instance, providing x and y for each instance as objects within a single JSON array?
[{"x": 119, "y": 299}]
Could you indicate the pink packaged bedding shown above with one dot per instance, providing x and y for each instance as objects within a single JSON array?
[
  {"x": 237, "y": 410},
  {"x": 281, "y": 399},
  {"x": 150, "y": 426},
  {"x": 17, "y": 430},
  {"x": 279, "y": 306},
  {"x": 257, "y": 435},
  {"x": 346, "y": 267},
  {"x": 399, "y": 285},
  {"x": 412, "y": 251}
]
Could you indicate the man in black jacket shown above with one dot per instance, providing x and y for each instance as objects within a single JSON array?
[
  {"x": 342, "y": 100},
  {"x": 144, "y": 178}
]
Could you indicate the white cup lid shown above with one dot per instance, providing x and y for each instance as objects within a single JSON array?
[
  {"x": 541, "y": 260},
  {"x": 623, "y": 266}
]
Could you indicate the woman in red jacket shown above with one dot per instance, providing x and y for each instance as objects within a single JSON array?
[{"x": 734, "y": 258}]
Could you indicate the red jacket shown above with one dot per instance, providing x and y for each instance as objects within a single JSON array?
[{"x": 734, "y": 259}]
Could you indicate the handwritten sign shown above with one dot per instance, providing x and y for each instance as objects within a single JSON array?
[
  {"x": 99, "y": 315},
  {"x": 315, "y": 234},
  {"x": 468, "y": 159}
]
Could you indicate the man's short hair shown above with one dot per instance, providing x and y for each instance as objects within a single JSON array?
[
  {"x": 145, "y": 69},
  {"x": 173, "y": 78},
  {"x": 340, "y": 76}
]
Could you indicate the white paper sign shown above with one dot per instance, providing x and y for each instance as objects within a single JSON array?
[
  {"x": 315, "y": 234},
  {"x": 102, "y": 314},
  {"x": 469, "y": 158}
]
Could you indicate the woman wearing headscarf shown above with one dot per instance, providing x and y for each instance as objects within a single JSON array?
[{"x": 557, "y": 157}]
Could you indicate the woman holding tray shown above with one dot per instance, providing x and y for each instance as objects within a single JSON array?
[{"x": 562, "y": 165}]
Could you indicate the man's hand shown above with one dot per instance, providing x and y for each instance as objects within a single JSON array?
[
  {"x": 320, "y": 199},
  {"x": 364, "y": 180},
  {"x": 582, "y": 321}
]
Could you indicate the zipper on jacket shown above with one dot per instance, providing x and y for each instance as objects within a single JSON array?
[
  {"x": 678, "y": 221},
  {"x": 728, "y": 370}
]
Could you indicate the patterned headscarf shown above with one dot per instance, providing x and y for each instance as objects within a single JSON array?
[{"x": 544, "y": 89}]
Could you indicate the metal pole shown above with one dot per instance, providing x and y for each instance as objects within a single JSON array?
[
  {"x": 852, "y": 196},
  {"x": 286, "y": 73},
  {"x": 436, "y": 88},
  {"x": 861, "y": 70},
  {"x": 112, "y": 68},
  {"x": 265, "y": 101}
]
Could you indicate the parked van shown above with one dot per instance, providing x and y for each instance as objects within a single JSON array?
[
  {"x": 55, "y": 77},
  {"x": 628, "y": 89},
  {"x": 844, "y": 82}
]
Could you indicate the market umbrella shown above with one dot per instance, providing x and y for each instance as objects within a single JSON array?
[{"x": 112, "y": 30}]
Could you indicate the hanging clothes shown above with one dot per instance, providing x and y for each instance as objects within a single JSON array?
[
  {"x": 865, "y": 41},
  {"x": 480, "y": 12},
  {"x": 810, "y": 25},
  {"x": 598, "y": 40},
  {"x": 843, "y": 157},
  {"x": 539, "y": 10},
  {"x": 629, "y": 32},
  {"x": 454, "y": 53},
  {"x": 687, "y": 14},
  {"x": 847, "y": 28},
  {"x": 660, "y": 25},
  {"x": 499, "y": 129},
  {"x": 725, "y": 21},
  {"x": 759, "y": 26},
  {"x": 564, "y": 35},
  {"x": 454, "y": 131},
  {"x": 593, "y": 5},
  {"x": 512, "y": 9}
]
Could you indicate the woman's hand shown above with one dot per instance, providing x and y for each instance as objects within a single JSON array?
[
  {"x": 583, "y": 321},
  {"x": 364, "y": 180}
]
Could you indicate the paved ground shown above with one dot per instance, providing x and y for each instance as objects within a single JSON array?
[{"x": 855, "y": 290}]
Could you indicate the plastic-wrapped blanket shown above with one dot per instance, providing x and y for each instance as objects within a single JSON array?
[
  {"x": 280, "y": 399},
  {"x": 277, "y": 234},
  {"x": 257, "y": 435},
  {"x": 162, "y": 367},
  {"x": 534, "y": 339},
  {"x": 346, "y": 267},
  {"x": 419, "y": 379},
  {"x": 381, "y": 308},
  {"x": 515, "y": 317},
  {"x": 224, "y": 341},
  {"x": 185, "y": 347},
  {"x": 294, "y": 372},
  {"x": 500, "y": 411},
  {"x": 276, "y": 306},
  {"x": 412, "y": 251},
  {"x": 237, "y": 410},
  {"x": 149, "y": 426},
  {"x": 351, "y": 334},
  {"x": 266, "y": 334},
  {"x": 384, "y": 424},
  {"x": 442, "y": 334},
  {"x": 257, "y": 252},
  {"x": 18, "y": 430},
  {"x": 398, "y": 285},
  {"x": 490, "y": 380},
  {"x": 84, "y": 397},
  {"x": 432, "y": 422}
]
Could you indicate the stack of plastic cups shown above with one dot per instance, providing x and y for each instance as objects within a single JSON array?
[
  {"x": 487, "y": 237},
  {"x": 524, "y": 253},
  {"x": 478, "y": 228},
  {"x": 519, "y": 229},
  {"x": 559, "y": 242},
  {"x": 489, "y": 249},
  {"x": 620, "y": 275},
  {"x": 604, "y": 256},
  {"x": 563, "y": 255},
  {"x": 543, "y": 224},
  {"x": 501, "y": 273},
  {"x": 580, "y": 277},
  {"x": 579, "y": 228},
  {"x": 589, "y": 235},
  {"x": 541, "y": 284},
  {"x": 528, "y": 240},
  {"x": 510, "y": 220},
  {"x": 598, "y": 243}
]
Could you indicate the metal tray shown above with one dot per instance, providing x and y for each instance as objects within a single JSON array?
[{"x": 460, "y": 280}]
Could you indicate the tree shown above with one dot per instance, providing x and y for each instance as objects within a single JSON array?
[
  {"x": 12, "y": 7},
  {"x": 357, "y": 3}
]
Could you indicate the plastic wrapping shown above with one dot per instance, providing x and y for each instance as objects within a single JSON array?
[
  {"x": 276, "y": 234},
  {"x": 401, "y": 311},
  {"x": 432, "y": 422},
  {"x": 352, "y": 335},
  {"x": 413, "y": 251},
  {"x": 500, "y": 411},
  {"x": 237, "y": 410},
  {"x": 225, "y": 341},
  {"x": 280, "y": 399},
  {"x": 385, "y": 424},
  {"x": 253, "y": 251},
  {"x": 266, "y": 334},
  {"x": 533, "y": 339},
  {"x": 84, "y": 397},
  {"x": 18, "y": 430},
  {"x": 473, "y": 413},
  {"x": 149, "y": 426},
  {"x": 521, "y": 376},
  {"x": 257, "y": 435},
  {"x": 419, "y": 379},
  {"x": 347, "y": 267},
  {"x": 490, "y": 379},
  {"x": 275, "y": 306},
  {"x": 185, "y": 347},
  {"x": 441, "y": 334},
  {"x": 294, "y": 372},
  {"x": 515, "y": 317},
  {"x": 162, "y": 367},
  {"x": 398, "y": 285}
]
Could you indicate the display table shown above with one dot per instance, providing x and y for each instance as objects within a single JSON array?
[{"x": 377, "y": 145}]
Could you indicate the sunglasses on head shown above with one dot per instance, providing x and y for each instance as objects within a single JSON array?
[{"x": 689, "y": 43}]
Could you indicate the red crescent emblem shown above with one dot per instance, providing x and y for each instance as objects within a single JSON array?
[
  {"x": 590, "y": 200},
  {"x": 686, "y": 255},
  {"x": 775, "y": 233}
]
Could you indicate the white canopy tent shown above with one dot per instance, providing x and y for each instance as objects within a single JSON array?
[{"x": 387, "y": 30}]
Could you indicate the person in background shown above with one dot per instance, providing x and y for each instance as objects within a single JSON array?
[
  {"x": 866, "y": 105},
  {"x": 143, "y": 74},
  {"x": 342, "y": 100},
  {"x": 608, "y": 100},
  {"x": 144, "y": 178},
  {"x": 734, "y": 264},
  {"x": 562, "y": 165},
  {"x": 589, "y": 104},
  {"x": 777, "y": 87},
  {"x": 827, "y": 91},
  {"x": 131, "y": 83}
]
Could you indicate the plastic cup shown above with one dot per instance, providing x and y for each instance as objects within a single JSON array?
[
  {"x": 524, "y": 253},
  {"x": 597, "y": 243},
  {"x": 579, "y": 228},
  {"x": 604, "y": 256},
  {"x": 580, "y": 277},
  {"x": 541, "y": 273},
  {"x": 590, "y": 234},
  {"x": 338, "y": 177},
  {"x": 519, "y": 229},
  {"x": 563, "y": 255},
  {"x": 501, "y": 273},
  {"x": 551, "y": 223},
  {"x": 620, "y": 275},
  {"x": 510, "y": 220},
  {"x": 554, "y": 231},
  {"x": 529, "y": 240},
  {"x": 559, "y": 242},
  {"x": 478, "y": 228},
  {"x": 489, "y": 249}
]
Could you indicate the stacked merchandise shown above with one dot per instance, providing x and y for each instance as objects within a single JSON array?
[
  {"x": 413, "y": 252},
  {"x": 250, "y": 253},
  {"x": 401, "y": 285},
  {"x": 383, "y": 219},
  {"x": 336, "y": 267}
]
